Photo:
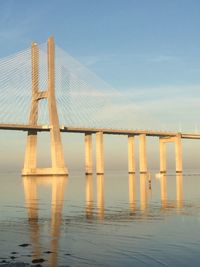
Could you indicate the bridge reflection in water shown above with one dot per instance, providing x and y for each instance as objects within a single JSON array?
[
  {"x": 92, "y": 211},
  {"x": 58, "y": 185},
  {"x": 179, "y": 192}
]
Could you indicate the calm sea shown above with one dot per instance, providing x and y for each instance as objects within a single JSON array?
[{"x": 111, "y": 220}]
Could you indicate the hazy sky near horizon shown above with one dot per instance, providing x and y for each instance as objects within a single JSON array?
[{"x": 149, "y": 50}]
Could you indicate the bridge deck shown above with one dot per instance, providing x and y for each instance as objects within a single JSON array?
[{"x": 44, "y": 128}]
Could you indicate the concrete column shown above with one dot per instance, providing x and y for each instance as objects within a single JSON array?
[
  {"x": 178, "y": 152},
  {"x": 88, "y": 153},
  {"x": 142, "y": 153},
  {"x": 57, "y": 155},
  {"x": 163, "y": 160},
  {"x": 131, "y": 156},
  {"x": 30, "y": 160},
  {"x": 99, "y": 153}
]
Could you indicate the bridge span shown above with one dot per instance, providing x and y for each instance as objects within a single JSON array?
[
  {"x": 24, "y": 86},
  {"x": 164, "y": 138},
  {"x": 46, "y": 128}
]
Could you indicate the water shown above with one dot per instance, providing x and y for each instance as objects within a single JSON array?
[{"x": 111, "y": 220}]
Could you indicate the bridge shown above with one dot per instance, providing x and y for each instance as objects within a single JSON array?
[{"x": 35, "y": 81}]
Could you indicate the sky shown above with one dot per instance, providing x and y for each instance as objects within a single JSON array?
[{"x": 148, "y": 50}]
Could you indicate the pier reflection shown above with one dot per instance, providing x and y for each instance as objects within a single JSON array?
[
  {"x": 163, "y": 191},
  {"x": 165, "y": 204},
  {"x": 30, "y": 190},
  {"x": 179, "y": 190},
  {"x": 143, "y": 192},
  {"x": 89, "y": 196},
  {"x": 58, "y": 184},
  {"x": 132, "y": 192},
  {"x": 100, "y": 196}
]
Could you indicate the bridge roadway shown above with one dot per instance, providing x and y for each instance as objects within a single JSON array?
[{"x": 46, "y": 128}]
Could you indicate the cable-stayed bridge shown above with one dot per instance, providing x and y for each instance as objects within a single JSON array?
[{"x": 43, "y": 92}]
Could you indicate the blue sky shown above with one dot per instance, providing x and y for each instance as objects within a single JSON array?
[
  {"x": 128, "y": 43},
  {"x": 150, "y": 50}
]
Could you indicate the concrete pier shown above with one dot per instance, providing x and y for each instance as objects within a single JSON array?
[
  {"x": 99, "y": 153},
  {"x": 88, "y": 153},
  {"x": 178, "y": 152},
  {"x": 57, "y": 156},
  {"x": 142, "y": 153},
  {"x": 30, "y": 160},
  {"x": 163, "y": 158},
  {"x": 131, "y": 154}
]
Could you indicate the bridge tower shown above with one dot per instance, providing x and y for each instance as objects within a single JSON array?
[{"x": 57, "y": 156}]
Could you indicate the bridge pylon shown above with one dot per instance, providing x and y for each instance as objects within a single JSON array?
[{"x": 57, "y": 156}]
